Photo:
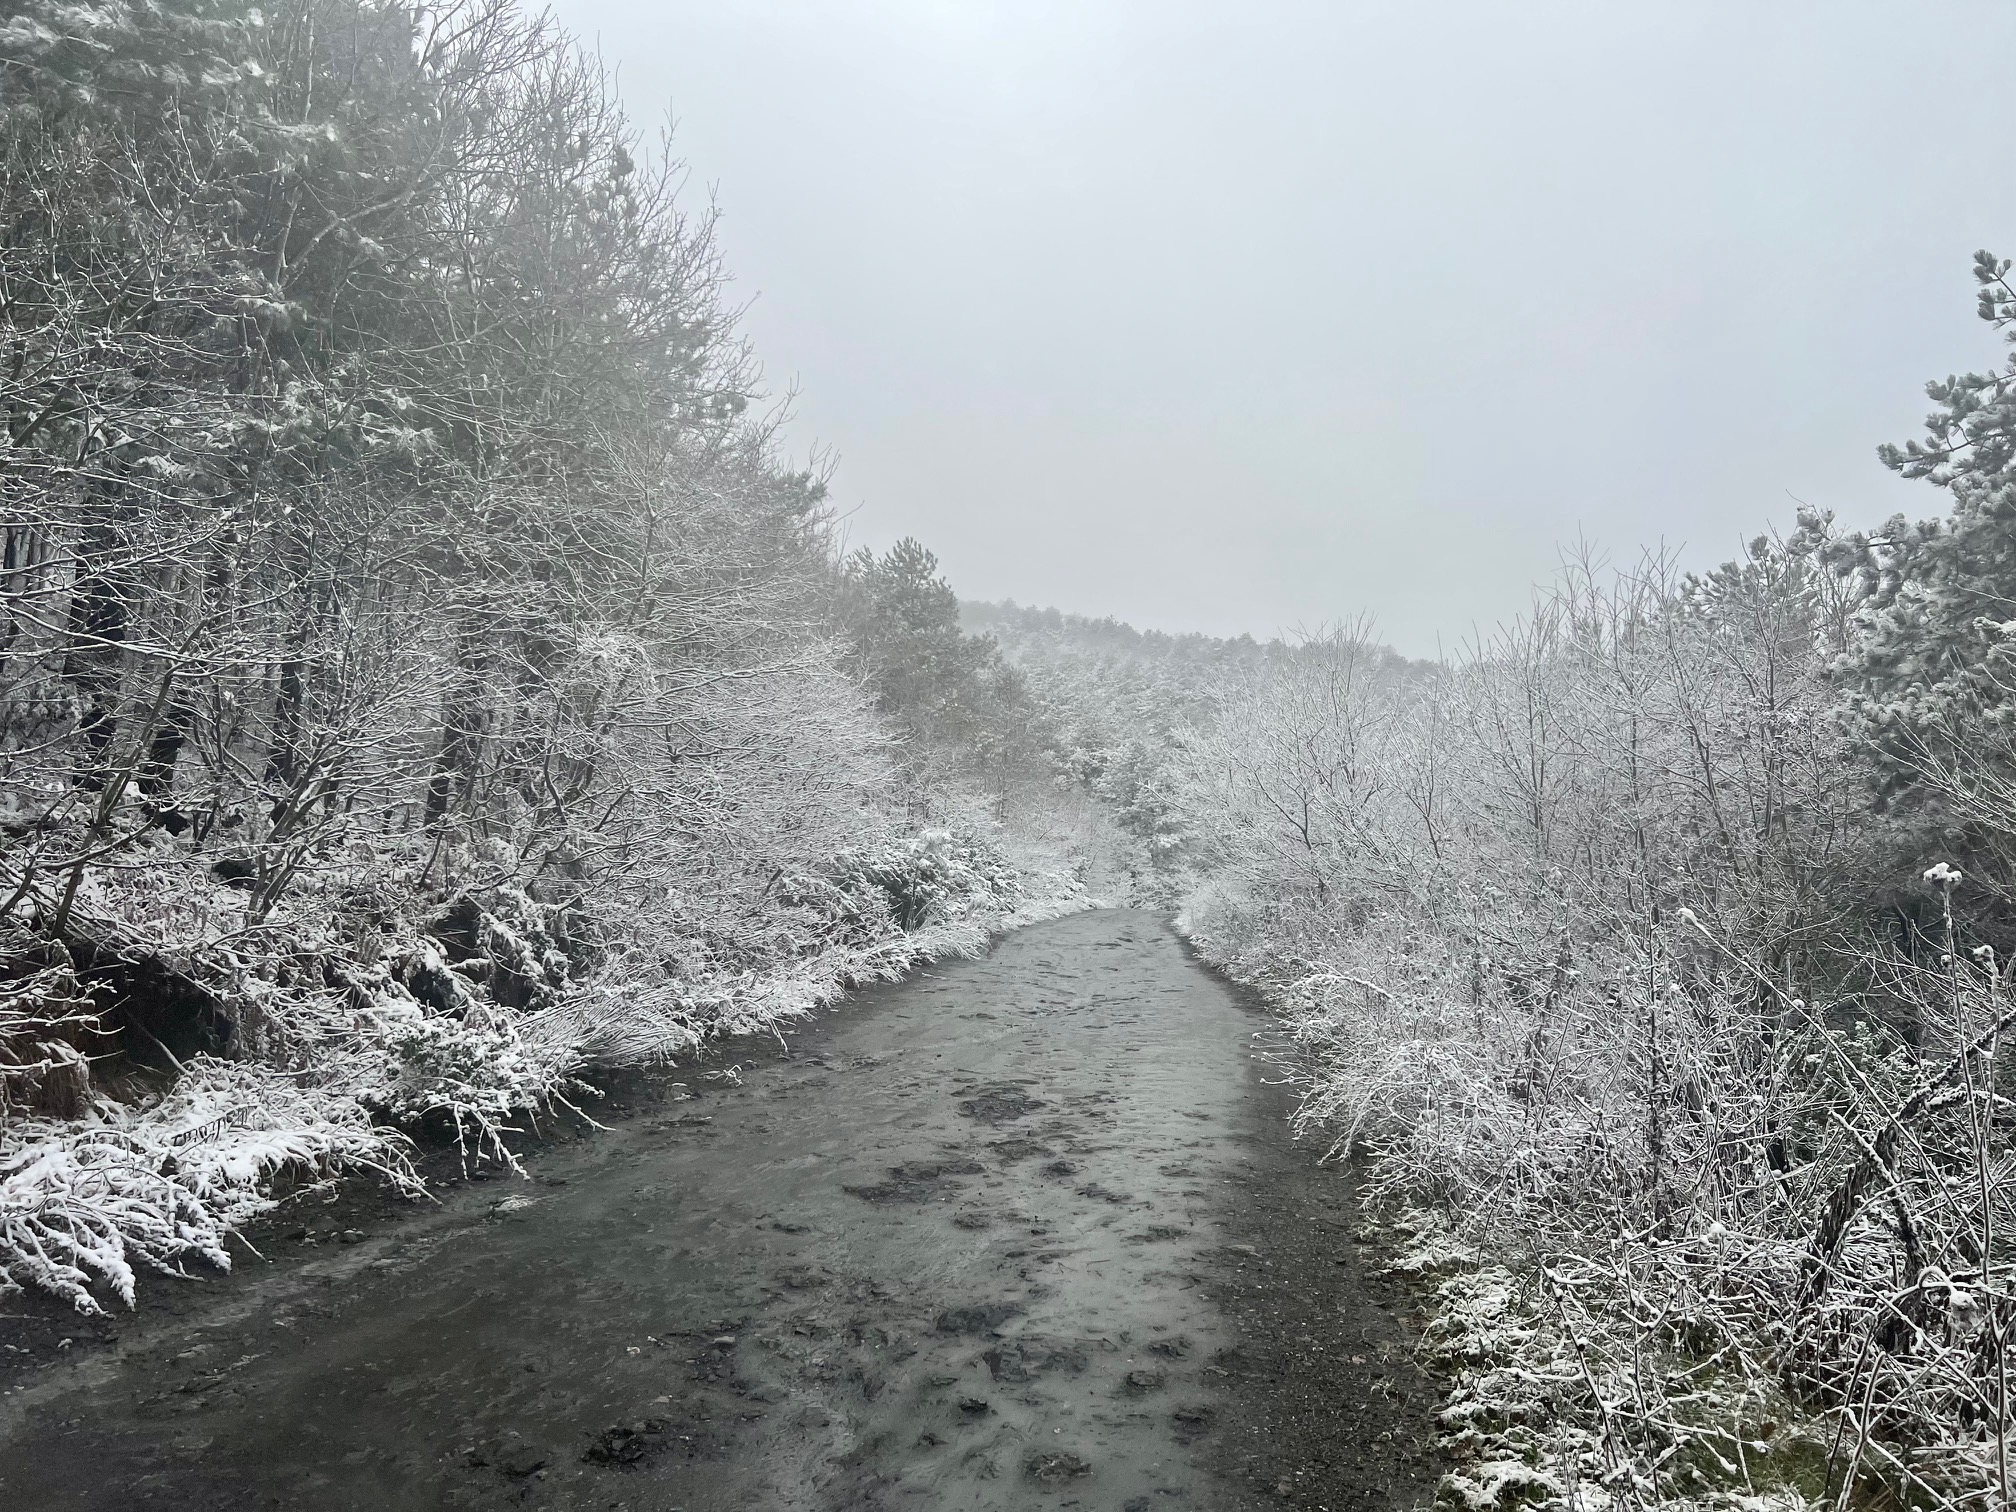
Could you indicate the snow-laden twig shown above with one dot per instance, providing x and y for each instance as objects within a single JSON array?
[{"x": 83, "y": 1203}]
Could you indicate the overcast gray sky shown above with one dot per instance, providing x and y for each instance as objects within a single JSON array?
[{"x": 1238, "y": 316}]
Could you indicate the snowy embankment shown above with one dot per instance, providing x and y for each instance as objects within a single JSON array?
[
  {"x": 472, "y": 1015},
  {"x": 1602, "y": 1345},
  {"x": 1531, "y": 1370}
]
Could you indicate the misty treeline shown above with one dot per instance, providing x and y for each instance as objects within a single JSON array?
[
  {"x": 422, "y": 676},
  {"x": 1661, "y": 942}
]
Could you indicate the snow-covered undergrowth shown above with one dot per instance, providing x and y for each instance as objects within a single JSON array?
[
  {"x": 84, "y": 1201},
  {"x": 1675, "y": 1250},
  {"x": 1537, "y": 1398},
  {"x": 363, "y": 1009}
]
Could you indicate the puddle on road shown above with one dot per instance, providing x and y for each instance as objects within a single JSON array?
[{"x": 949, "y": 1256}]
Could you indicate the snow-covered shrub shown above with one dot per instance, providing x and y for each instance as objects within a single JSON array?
[
  {"x": 1739, "y": 1239},
  {"x": 933, "y": 877},
  {"x": 513, "y": 945},
  {"x": 475, "y": 1071},
  {"x": 83, "y": 1202}
]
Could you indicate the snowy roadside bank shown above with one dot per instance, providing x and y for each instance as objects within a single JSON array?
[
  {"x": 1554, "y": 1382},
  {"x": 472, "y": 1020}
]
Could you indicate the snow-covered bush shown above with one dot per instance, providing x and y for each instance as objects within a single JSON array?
[
  {"x": 933, "y": 877},
  {"x": 85, "y": 1201}
]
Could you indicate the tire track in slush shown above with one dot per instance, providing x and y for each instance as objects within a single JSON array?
[{"x": 969, "y": 1245}]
